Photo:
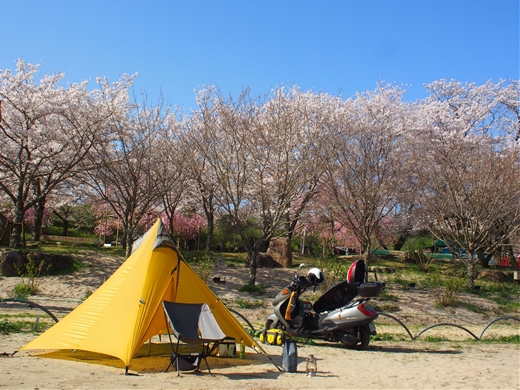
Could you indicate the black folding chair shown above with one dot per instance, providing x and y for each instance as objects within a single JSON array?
[{"x": 192, "y": 324}]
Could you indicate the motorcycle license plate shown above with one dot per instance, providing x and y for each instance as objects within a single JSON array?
[{"x": 372, "y": 327}]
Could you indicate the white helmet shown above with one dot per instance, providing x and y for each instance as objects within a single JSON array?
[{"x": 315, "y": 276}]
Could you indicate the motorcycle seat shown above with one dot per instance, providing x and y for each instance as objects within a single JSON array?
[{"x": 336, "y": 296}]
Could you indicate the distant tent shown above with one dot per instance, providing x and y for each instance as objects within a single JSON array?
[{"x": 126, "y": 311}]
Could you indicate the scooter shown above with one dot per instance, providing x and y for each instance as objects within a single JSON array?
[{"x": 336, "y": 315}]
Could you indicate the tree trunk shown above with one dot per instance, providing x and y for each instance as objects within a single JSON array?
[
  {"x": 211, "y": 230},
  {"x": 332, "y": 242},
  {"x": 39, "y": 209},
  {"x": 65, "y": 230},
  {"x": 252, "y": 254},
  {"x": 129, "y": 239},
  {"x": 380, "y": 239},
  {"x": 401, "y": 240},
  {"x": 17, "y": 226},
  {"x": 368, "y": 256},
  {"x": 470, "y": 277},
  {"x": 64, "y": 219},
  {"x": 289, "y": 249}
]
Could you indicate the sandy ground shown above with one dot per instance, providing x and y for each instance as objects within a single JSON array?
[{"x": 399, "y": 364}]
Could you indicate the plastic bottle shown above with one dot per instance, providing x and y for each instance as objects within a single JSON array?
[{"x": 242, "y": 354}]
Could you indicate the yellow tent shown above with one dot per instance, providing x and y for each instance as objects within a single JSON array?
[{"x": 126, "y": 311}]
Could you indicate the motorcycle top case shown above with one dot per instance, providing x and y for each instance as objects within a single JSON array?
[
  {"x": 274, "y": 336},
  {"x": 371, "y": 290}
]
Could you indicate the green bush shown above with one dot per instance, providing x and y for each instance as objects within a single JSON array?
[
  {"x": 446, "y": 289},
  {"x": 30, "y": 274},
  {"x": 204, "y": 266},
  {"x": 23, "y": 291}
]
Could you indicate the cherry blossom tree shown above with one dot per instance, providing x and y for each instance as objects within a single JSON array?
[
  {"x": 188, "y": 227},
  {"x": 47, "y": 130},
  {"x": 67, "y": 203},
  {"x": 365, "y": 174},
  {"x": 221, "y": 137},
  {"x": 509, "y": 99},
  {"x": 469, "y": 193},
  {"x": 172, "y": 166},
  {"x": 263, "y": 157},
  {"x": 34, "y": 219},
  {"x": 200, "y": 186},
  {"x": 107, "y": 220},
  {"x": 293, "y": 153},
  {"x": 123, "y": 170}
]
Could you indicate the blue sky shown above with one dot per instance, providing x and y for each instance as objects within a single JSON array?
[{"x": 339, "y": 47}]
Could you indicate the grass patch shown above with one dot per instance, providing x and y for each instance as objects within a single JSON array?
[
  {"x": 385, "y": 337},
  {"x": 79, "y": 265},
  {"x": 235, "y": 259},
  {"x": 504, "y": 294},
  {"x": 435, "y": 339},
  {"x": 472, "y": 307},
  {"x": 509, "y": 307},
  {"x": 256, "y": 289},
  {"x": 79, "y": 249},
  {"x": 231, "y": 259},
  {"x": 385, "y": 306},
  {"x": 8, "y": 327},
  {"x": 446, "y": 289},
  {"x": 404, "y": 283},
  {"x": 513, "y": 339},
  {"x": 23, "y": 291},
  {"x": 246, "y": 304},
  {"x": 20, "y": 315},
  {"x": 388, "y": 296}
]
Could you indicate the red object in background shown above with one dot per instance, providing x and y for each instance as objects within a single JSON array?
[{"x": 504, "y": 261}]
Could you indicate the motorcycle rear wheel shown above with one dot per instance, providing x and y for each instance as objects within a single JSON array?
[{"x": 363, "y": 339}]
